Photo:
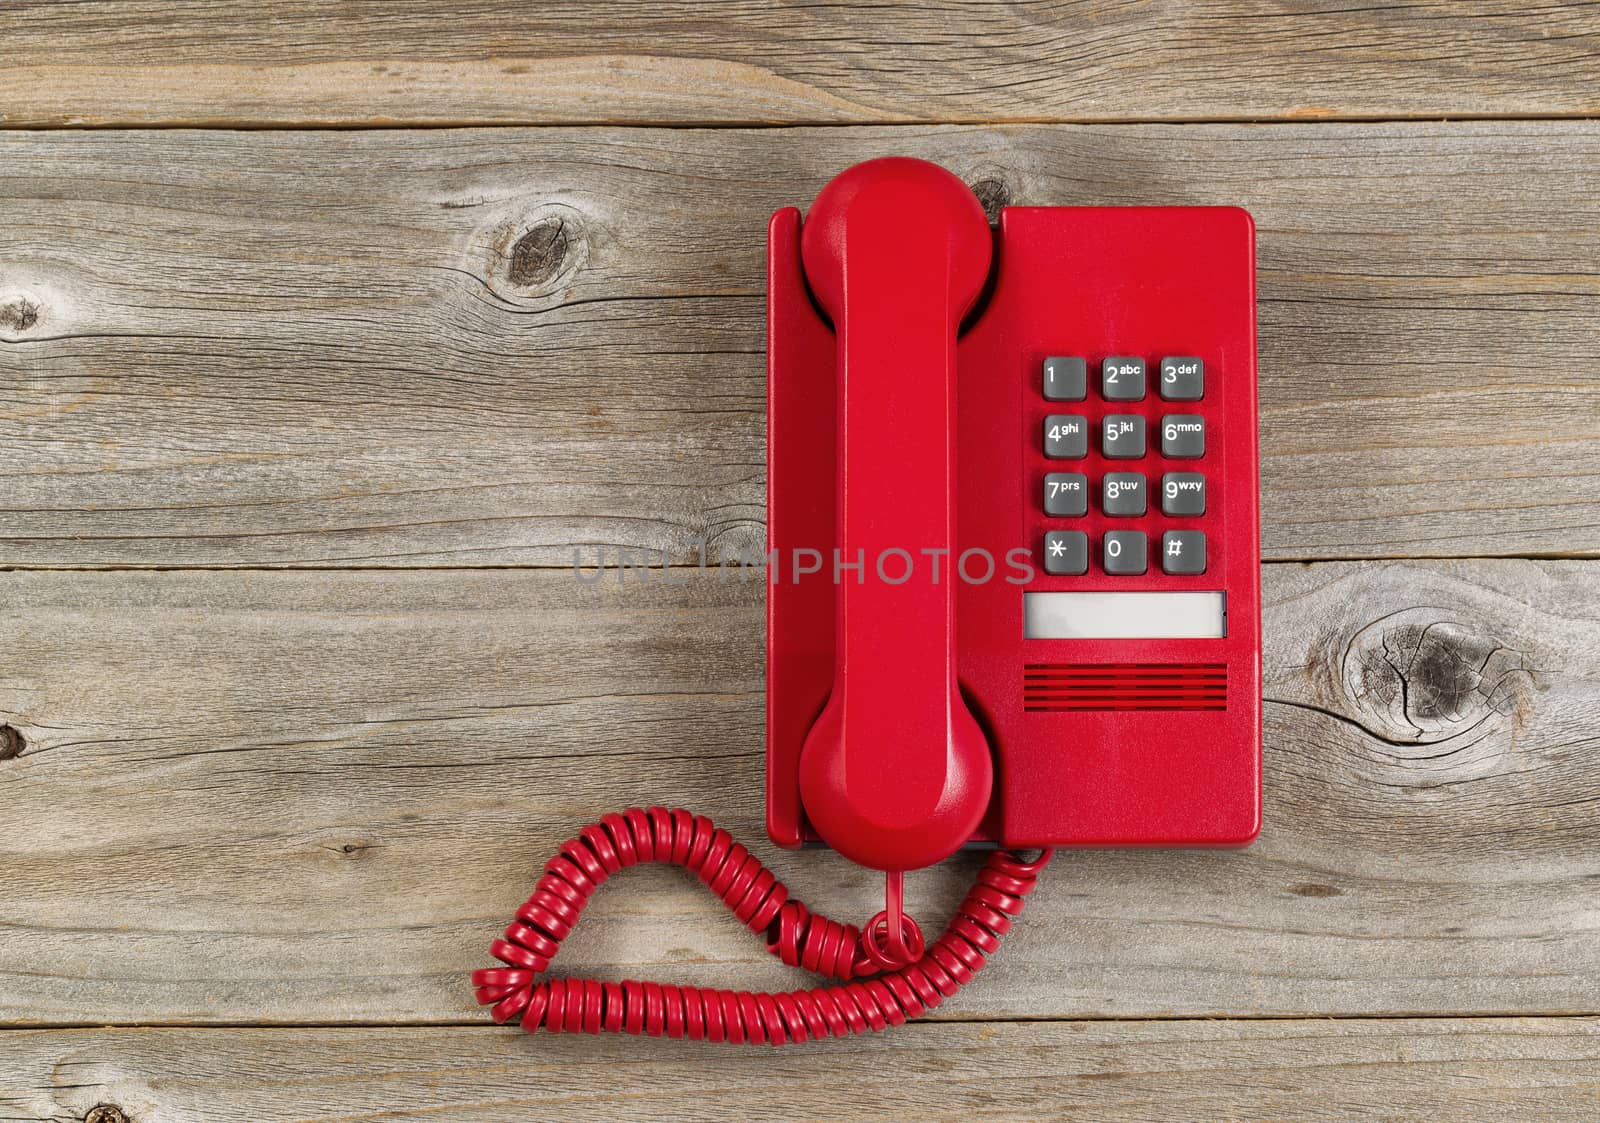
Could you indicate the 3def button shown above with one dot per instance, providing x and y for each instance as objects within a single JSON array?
[{"x": 1183, "y": 379}]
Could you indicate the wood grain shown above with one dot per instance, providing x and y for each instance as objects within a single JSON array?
[
  {"x": 739, "y": 62},
  {"x": 1115, "y": 1072},
  {"x": 495, "y": 347},
  {"x": 289, "y": 797}
]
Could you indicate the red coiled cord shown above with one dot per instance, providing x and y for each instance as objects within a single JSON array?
[{"x": 865, "y": 999}]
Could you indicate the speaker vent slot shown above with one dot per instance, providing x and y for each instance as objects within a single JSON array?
[{"x": 1124, "y": 686}]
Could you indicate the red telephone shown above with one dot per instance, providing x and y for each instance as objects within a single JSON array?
[{"x": 1014, "y": 591}]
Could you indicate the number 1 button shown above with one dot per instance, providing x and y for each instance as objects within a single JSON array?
[{"x": 1065, "y": 379}]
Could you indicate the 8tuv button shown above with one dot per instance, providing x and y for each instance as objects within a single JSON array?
[{"x": 1122, "y": 493}]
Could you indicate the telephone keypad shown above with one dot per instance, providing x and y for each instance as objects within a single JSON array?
[
  {"x": 1122, "y": 493},
  {"x": 1123, "y": 552},
  {"x": 1066, "y": 494},
  {"x": 1183, "y": 493},
  {"x": 1122, "y": 436},
  {"x": 1066, "y": 553},
  {"x": 1066, "y": 436},
  {"x": 1183, "y": 551},
  {"x": 1183, "y": 378},
  {"x": 1066, "y": 379},
  {"x": 1122, "y": 379},
  {"x": 1183, "y": 436}
]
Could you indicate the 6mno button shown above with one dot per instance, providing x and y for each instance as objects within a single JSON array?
[{"x": 1183, "y": 436}]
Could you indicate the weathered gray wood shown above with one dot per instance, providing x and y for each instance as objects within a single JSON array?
[
  {"x": 1472, "y": 1069},
  {"x": 485, "y": 347},
  {"x": 734, "y": 61},
  {"x": 317, "y": 797}
]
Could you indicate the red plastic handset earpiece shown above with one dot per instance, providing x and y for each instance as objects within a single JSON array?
[{"x": 895, "y": 773}]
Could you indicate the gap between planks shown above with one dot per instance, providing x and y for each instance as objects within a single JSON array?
[
  {"x": 241, "y": 125},
  {"x": 485, "y": 1023},
  {"x": 691, "y": 567}
]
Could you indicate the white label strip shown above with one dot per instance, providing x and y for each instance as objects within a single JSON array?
[{"x": 1198, "y": 615}]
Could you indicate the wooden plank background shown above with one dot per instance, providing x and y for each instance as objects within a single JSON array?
[
  {"x": 1104, "y": 1072},
  {"x": 301, "y": 430},
  {"x": 315, "y": 797},
  {"x": 486, "y": 347},
  {"x": 721, "y": 62}
]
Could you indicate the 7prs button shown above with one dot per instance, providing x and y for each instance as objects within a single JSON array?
[{"x": 1066, "y": 494}]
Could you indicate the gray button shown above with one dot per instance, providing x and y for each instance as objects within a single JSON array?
[
  {"x": 1122, "y": 436},
  {"x": 1183, "y": 378},
  {"x": 1066, "y": 553},
  {"x": 1066, "y": 494},
  {"x": 1122, "y": 378},
  {"x": 1066, "y": 379},
  {"x": 1122, "y": 493},
  {"x": 1066, "y": 436},
  {"x": 1123, "y": 551},
  {"x": 1183, "y": 493},
  {"x": 1183, "y": 436},
  {"x": 1183, "y": 551}
]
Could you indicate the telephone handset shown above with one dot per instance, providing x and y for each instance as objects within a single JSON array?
[
  {"x": 895, "y": 773},
  {"x": 1013, "y": 590}
]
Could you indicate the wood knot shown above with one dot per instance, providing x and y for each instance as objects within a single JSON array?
[
  {"x": 18, "y": 314},
  {"x": 12, "y": 742},
  {"x": 1316, "y": 889},
  {"x": 993, "y": 194},
  {"x": 106, "y": 1113},
  {"x": 1414, "y": 678},
  {"x": 537, "y": 256},
  {"x": 352, "y": 849},
  {"x": 532, "y": 259}
]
